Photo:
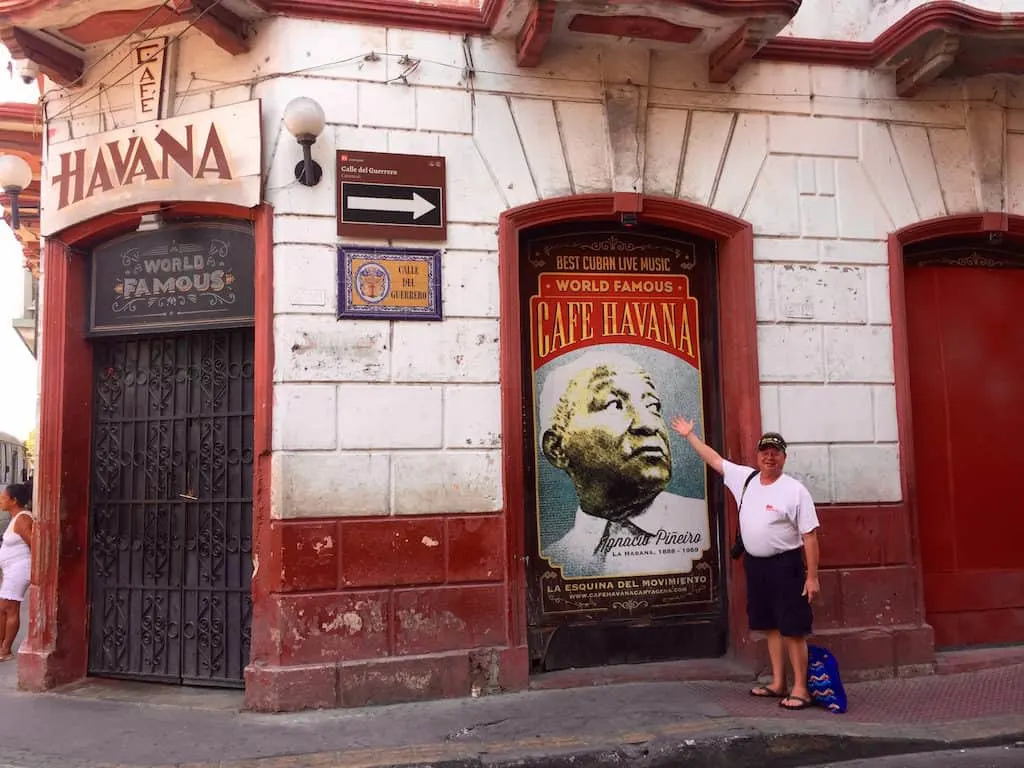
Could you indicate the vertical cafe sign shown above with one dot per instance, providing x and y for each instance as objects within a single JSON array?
[
  {"x": 148, "y": 61},
  {"x": 621, "y": 504}
]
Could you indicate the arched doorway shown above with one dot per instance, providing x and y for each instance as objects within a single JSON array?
[
  {"x": 637, "y": 222},
  {"x": 962, "y": 414},
  {"x": 59, "y": 646},
  {"x": 170, "y": 511}
]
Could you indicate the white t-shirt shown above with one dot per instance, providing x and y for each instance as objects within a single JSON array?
[{"x": 773, "y": 517}]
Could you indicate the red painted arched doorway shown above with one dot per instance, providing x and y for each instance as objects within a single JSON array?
[
  {"x": 57, "y": 643},
  {"x": 957, "y": 284},
  {"x": 737, "y": 361}
]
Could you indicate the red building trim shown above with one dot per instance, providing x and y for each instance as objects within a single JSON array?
[
  {"x": 435, "y": 17},
  {"x": 263, "y": 583},
  {"x": 737, "y": 323},
  {"x": 25, "y": 113},
  {"x": 450, "y": 17},
  {"x": 635, "y": 26},
  {"x": 945, "y": 15},
  {"x": 55, "y": 650},
  {"x": 224, "y": 28},
  {"x": 955, "y": 18},
  {"x": 21, "y": 133},
  {"x": 533, "y": 37},
  {"x": 107, "y": 24},
  {"x": 444, "y": 18},
  {"x": 56, "y": 63}
]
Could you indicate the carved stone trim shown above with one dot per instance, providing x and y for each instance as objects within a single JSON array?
[
  {"x": 56, "y": 63},
  {"x": 534, "y": 36},
  {"x": 967, "y": 258},
  {"x": 224, "y": 28}
]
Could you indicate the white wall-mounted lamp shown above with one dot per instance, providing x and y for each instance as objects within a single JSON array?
[
  {"x": 15, "y": 176},
  {"x": 304, "y": 119}
]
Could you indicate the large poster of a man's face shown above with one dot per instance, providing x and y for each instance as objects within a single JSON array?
[{"x": 615, "y": 496}]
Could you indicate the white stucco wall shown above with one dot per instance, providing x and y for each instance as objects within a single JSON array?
[{"x": 376, "y": 418}]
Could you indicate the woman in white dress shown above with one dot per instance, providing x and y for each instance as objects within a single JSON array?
[{"x": 15, "y": 563}]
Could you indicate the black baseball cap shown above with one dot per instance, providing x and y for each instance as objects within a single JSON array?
[{"x": 771, "y": 440}]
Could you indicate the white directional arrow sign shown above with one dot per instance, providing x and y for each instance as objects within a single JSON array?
[
  {"x": 417, "y": 206},
  {"x": 390, "y": 196}
]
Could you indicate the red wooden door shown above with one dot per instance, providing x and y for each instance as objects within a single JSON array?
[{"x": 966, "y": 352}]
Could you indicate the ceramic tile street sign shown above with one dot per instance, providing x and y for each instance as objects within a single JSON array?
[{"x": 389, "y": 283}]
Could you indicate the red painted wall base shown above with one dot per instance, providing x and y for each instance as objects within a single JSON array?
[
  {"x": 40, "y": 670},
  {"x": 870, "y": 609},
  {"x": 381, "y": 610},
  {"x": 372, "y": 682},
  {"x": 364, "y": 613}
]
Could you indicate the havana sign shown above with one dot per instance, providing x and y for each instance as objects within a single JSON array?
[{"x": 211, "y": 156}]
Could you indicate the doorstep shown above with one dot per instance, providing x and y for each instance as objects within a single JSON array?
[
  {"x": 977, "y": 659},
  {"x": 686, "y": 670},
  {"x": 154, "y": 693}
]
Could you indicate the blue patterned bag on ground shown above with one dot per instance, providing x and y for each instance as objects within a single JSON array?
[{"x": 823, "y": 680}]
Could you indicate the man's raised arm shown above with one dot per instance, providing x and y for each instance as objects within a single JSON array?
[{"x": 708, "y": 454}]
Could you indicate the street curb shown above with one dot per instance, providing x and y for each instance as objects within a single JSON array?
[
  {"x": 778, "y": 750},
  {"x": 739, "y": 748},
  {"x": 720, "y": 742}
]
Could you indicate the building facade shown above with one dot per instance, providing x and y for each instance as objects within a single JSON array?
[{"x": 369, "y": 479}]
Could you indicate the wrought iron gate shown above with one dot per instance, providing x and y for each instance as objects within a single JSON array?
[{"x": 171, "y": 507}]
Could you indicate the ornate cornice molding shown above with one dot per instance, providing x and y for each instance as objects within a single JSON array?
[
  {"x": 950, "y": 21},
  {"x": 408, "y": 13},
  {"x": 392, "y": 13},
  {"x": 56, "y": 63},
  {"x": 13, "y": 11},
  {"x": 533, "y": 37},
  {"x": 21, "y": 133}
]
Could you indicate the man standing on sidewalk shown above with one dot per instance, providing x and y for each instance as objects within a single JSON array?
[{"x": 778, "y": 525}]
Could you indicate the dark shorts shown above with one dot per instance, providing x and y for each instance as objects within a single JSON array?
[{"x": 774, "y": 599}]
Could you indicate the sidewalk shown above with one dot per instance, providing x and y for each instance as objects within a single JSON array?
[{"x": 637, "y": 724}]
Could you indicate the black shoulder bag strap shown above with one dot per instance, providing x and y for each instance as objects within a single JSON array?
[{"x": 737, "y": 545}]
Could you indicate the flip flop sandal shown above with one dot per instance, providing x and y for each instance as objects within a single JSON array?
[
  {"x": 804, "y": 703},
  {"x": 764, "y": 692}
]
